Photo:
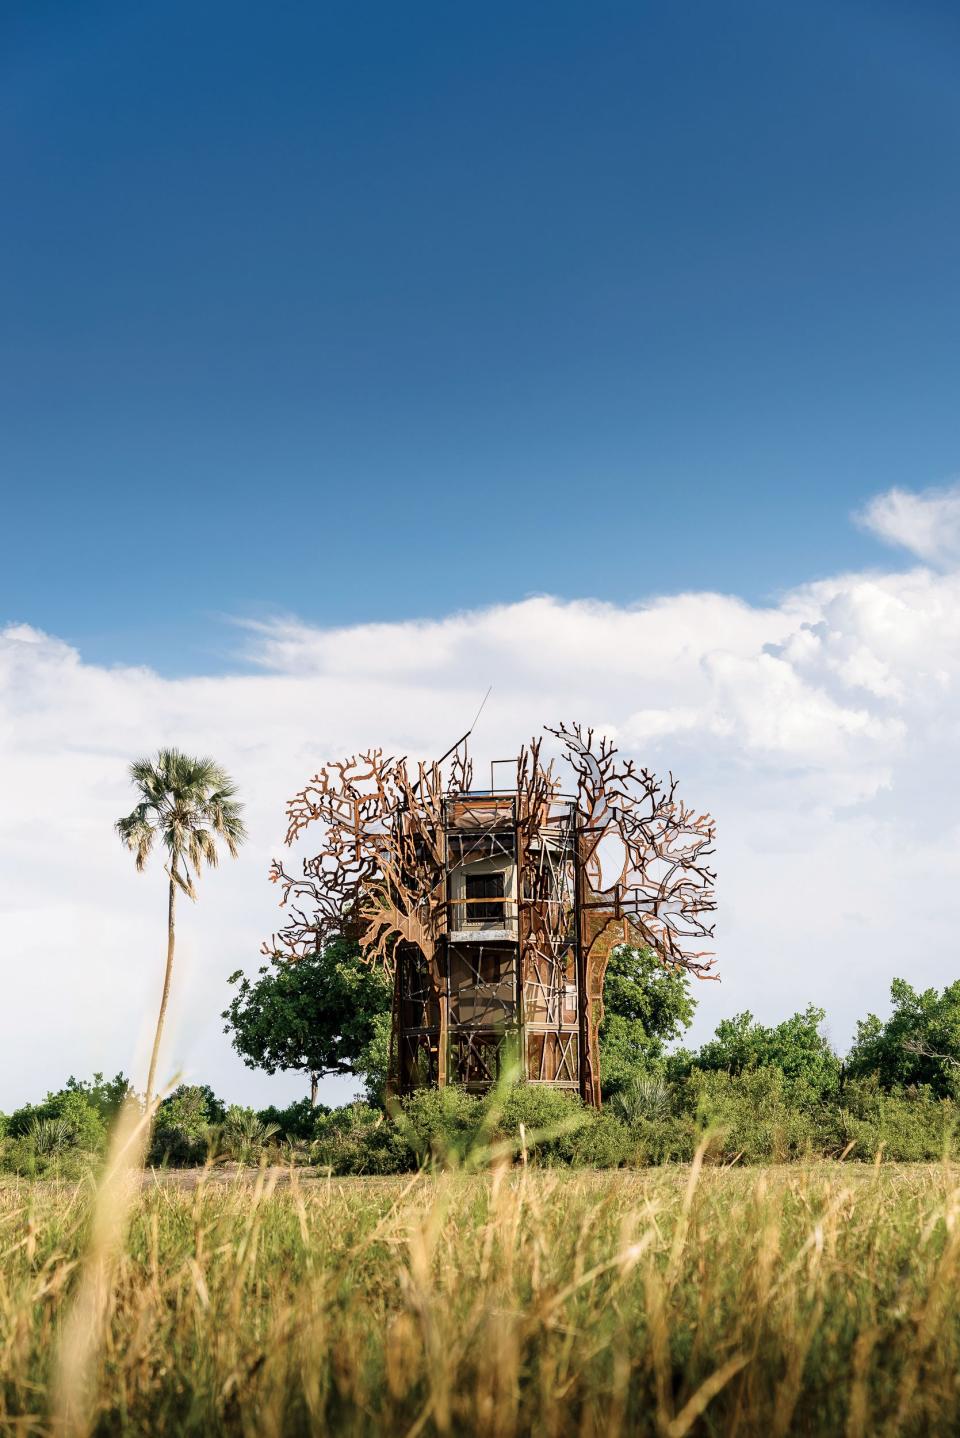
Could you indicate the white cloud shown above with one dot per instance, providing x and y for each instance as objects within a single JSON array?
[
  {"x": 926, "y": 523},
  {"x": 821, "y": 731}
]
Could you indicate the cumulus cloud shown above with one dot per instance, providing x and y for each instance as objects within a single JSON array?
[
  {"x": 820, "y": 731},
  {"x": 926, "y": 523}
]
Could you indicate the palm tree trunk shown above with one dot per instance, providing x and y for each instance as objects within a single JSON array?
[{"x": 151, "y": 1076}]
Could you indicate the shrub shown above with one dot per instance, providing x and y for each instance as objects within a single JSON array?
[
  {"x": 107, "y": 1096},
  {"x": 185, "y": 1126},
  {"x": 84, "y": 1127},
  {"x": 245, "y": 1137},
  {"x": 669, "y": 1138},
  {"x": 176, "y": 1147},
  {"x": 796, "y": 1047},
  {"x": 752, "y": 1113},
  {"x": 918, "y": 1045},
  {"x": 297, "y": 1121},
  {"x": 550, "y": 1118},
  {"x": 644, "y": 1096},
  {"x": 602, "y": 1142},
  {"x": 446, "y": 1127},
  {"x": 49, "y": 1135},
  {"x": 440, "y": 1125},
  {"x": 22, "y": 1157},
  {"x": 191, "y": 1106},
  {"x": 910, "y": 1125},
  {"x": 646, "y": 1005},
  {"x": 360, "y": 1139},
  {"x": 19, "y": 1155}
]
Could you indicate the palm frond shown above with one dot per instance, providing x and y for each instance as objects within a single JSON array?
[
  {"x": 184, "y": 882},
  {"x": 138, "y": 834},
  {"x": 50, "y": 1135},
  {"x": 189, "y": 803}
]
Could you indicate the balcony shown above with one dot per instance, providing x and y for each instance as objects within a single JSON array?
[{"x": 482, "y": 918}]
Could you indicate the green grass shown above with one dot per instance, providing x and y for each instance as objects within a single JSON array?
[{"x": 785, "y": 1300}]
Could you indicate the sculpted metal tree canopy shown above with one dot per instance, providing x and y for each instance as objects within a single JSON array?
[{"x": 497, "y": 908}]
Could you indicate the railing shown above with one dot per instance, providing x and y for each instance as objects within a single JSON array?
[{"x": 466, "y": 916}]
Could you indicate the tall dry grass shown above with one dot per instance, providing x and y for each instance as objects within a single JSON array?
[{"x": 819, "y": 1301}]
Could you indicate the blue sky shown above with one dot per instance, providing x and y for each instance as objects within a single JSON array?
[
  {"x": 363, "y": 311},
  {"x": 331, "y": 318}
]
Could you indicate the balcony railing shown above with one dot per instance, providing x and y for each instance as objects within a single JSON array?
[{"x": 484, "y": 918}]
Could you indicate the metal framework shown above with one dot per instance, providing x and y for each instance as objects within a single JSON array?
[{"x": 497, "y": 909}]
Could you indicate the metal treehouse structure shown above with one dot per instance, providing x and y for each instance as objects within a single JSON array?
[{"x": 497, "y": 908}]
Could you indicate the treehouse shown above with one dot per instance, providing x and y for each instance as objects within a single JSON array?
[{"x": 498, "y": 908}]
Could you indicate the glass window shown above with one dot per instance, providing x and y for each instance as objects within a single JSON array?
[{"x": 484, "y": 895}]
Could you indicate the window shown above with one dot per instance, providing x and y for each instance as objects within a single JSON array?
[{"x": 484, "y": 895}]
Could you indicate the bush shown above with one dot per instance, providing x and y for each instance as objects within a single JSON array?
[
  {"x": 360, "y": 1139},
  {"x": 918, "y": 1045},
  {"x": 373, "y": 1062},
  {"x": 176, "y": 1147},
  {"x": 548, "y": 1126},
  {"x": 22, "y": 1157},
  {"x": 50, "y": 1135},
  {"x": 184, "y": 1129},
  {"x": 84, "y": 1127},
  {"x": 753, "y": 1114},
  {"x": 909, "y": 1125},
  {"x": 245, "y": 1137},
  {"x": 545, "y": 1112},
  {"x": 670, "y": 1138},
  {"x": 644, "y": 1096},
  {"x": 193, "y": 1107},
  {"x": 602, "y": 1142},
  {"x": 440, "y": 1125},
  {"x": 107, "y": 1096},
  {"x": 446, "y": 1127},
  {"x": 297, "y": 1121},
  {"x": 64, "y": 1135},
  {"x": 795, "y": 1047}
]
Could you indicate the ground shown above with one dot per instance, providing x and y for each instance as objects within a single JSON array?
[{"x": 663, "y": 1301}]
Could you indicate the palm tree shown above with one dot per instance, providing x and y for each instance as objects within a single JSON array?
[
  {"x": 188, "y": 804},
  {"x": 645, "y": 1096}
]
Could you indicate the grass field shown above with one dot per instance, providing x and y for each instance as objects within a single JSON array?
[{"x": 671, "y": 1301}]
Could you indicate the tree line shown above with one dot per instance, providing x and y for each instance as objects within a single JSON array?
[
  {"x": 753, "y": 1092},
  {"x": 756, "y": 1093},
  {"x": 330, "y": 1013}
]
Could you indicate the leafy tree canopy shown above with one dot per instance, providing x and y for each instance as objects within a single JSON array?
[
  {"x": 317, "y": 1014},
  {"x": 296, "y": 1120},
  {"x": 645, "y": 1006},
  {"x": 87, "y": 1109},
  {"x": 191, "y": 1107},
  {"x": 107, "y": 1096},
  {"x": 796, "y": 1046},
  {"x": 918, "y": 1044}
]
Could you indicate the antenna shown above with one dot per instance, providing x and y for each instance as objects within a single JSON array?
[
  {"x": 454, "y": 747},
  {"x": 480, "y": 710}
]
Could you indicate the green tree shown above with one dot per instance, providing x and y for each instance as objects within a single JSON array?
[
  {"x": 796, "y": 1047},
  {"x": 918, "y": 1044},
  {"x": 82, "y": 1125},
  {"x": 185, "y": 1122},
  {"x": 373, "y": 1061},
  {"x": 188, "y": 804},
  {"x": 191, "y": 1106},
  {"x": 107, "y": 1096},
  {"x": 645, "y": 1006},
  {"x": 320, "y": 1014}
]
